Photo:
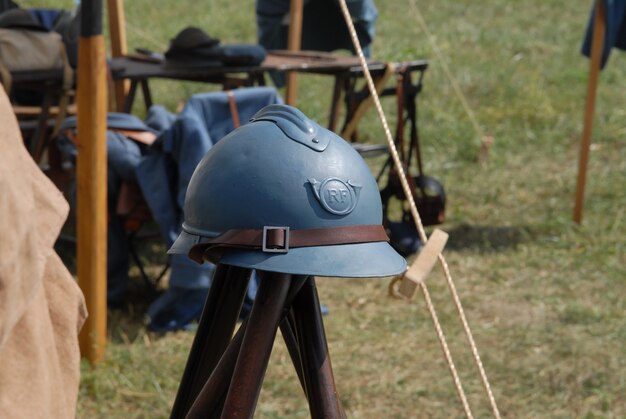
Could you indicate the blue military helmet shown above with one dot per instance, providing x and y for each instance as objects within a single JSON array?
[{"x": 283, "y": 194}]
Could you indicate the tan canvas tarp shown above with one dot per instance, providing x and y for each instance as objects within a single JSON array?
[{"x": 41, "y": 306}]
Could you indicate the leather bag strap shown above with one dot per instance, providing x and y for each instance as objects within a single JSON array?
[{"x": 234, "y": 114}]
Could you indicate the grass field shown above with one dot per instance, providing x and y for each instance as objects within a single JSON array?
[{"x": 546, "y": 298}]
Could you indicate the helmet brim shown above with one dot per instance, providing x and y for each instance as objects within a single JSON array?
[
  {"x": 363, "y": 260},
  {"x": 377, "y": 259},
  {"x": 183, "y": 244}
]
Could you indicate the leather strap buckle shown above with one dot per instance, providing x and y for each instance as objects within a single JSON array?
[{"x": 275, "y": 239}]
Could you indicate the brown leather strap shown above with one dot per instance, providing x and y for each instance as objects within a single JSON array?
[
  {"x": 281, "y": 239},
  {"x": 233, "y": 109},
  {"x": 144, "y": 137},
  {"x": 400, "y": 111}
]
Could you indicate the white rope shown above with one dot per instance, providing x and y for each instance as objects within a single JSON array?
[
  {"x": 470, "y": 338},
  {"x": 418, "y": 222},
  {"x": 446, "y": 350},
  {"x": 409, "y": 195},
  {"x": 392, "y": 148}
]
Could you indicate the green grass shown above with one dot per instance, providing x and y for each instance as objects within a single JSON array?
[{"x": 545, "y": 297}]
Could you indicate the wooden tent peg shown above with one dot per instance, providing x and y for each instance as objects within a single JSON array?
[{"x": 424, "y": 263}]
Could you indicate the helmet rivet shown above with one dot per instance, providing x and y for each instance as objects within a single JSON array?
[{"x": 315, "y": 140}]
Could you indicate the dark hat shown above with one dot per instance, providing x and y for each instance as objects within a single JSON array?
[
  {"x": 193, "y": 48},
  {"x": 192, "y": 38}
]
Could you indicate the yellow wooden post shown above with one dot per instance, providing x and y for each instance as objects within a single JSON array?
[
  {"x": 91, "y": 182},
  {"x": 117, "y": 35},
  {"x": 597, "y": 46},
  {"x": 293, "y": 44}
]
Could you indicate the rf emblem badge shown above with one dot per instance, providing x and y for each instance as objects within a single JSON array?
[{"x": 335, "y": 195}]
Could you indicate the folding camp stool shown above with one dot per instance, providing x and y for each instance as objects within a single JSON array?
[
  {"x": 224, "y": 373},
  {"x": 135, "y": 213},
  {"x": 40, "y": 123}
]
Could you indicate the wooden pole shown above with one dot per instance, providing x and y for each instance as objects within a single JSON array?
[
  {"x": 91, "y": 179},
  {"x": 597, "y": 46},
  {"x": 117, "y": 35},
  {"x": 294, "y": 42}
]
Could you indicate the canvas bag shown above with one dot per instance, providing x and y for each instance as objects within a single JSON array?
[{"x": 31, "y": 50}]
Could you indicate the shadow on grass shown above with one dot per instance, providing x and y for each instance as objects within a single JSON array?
[{"x": 487, "y": 238}]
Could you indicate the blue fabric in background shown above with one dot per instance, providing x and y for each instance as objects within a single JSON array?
[
  {"x": 615, "y": 36},
  {"x": 323, "y": 26},
  {"x": 46, "y": 17},
  {"x": 164, "y": 172}
]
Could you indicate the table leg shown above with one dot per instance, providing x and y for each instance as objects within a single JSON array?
[
  {"x": 38, "y": 137},
  {"x": 130, "y": 97},
  {"x": 147, "y": 96},
  {"x": 335, "y": 100}
]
